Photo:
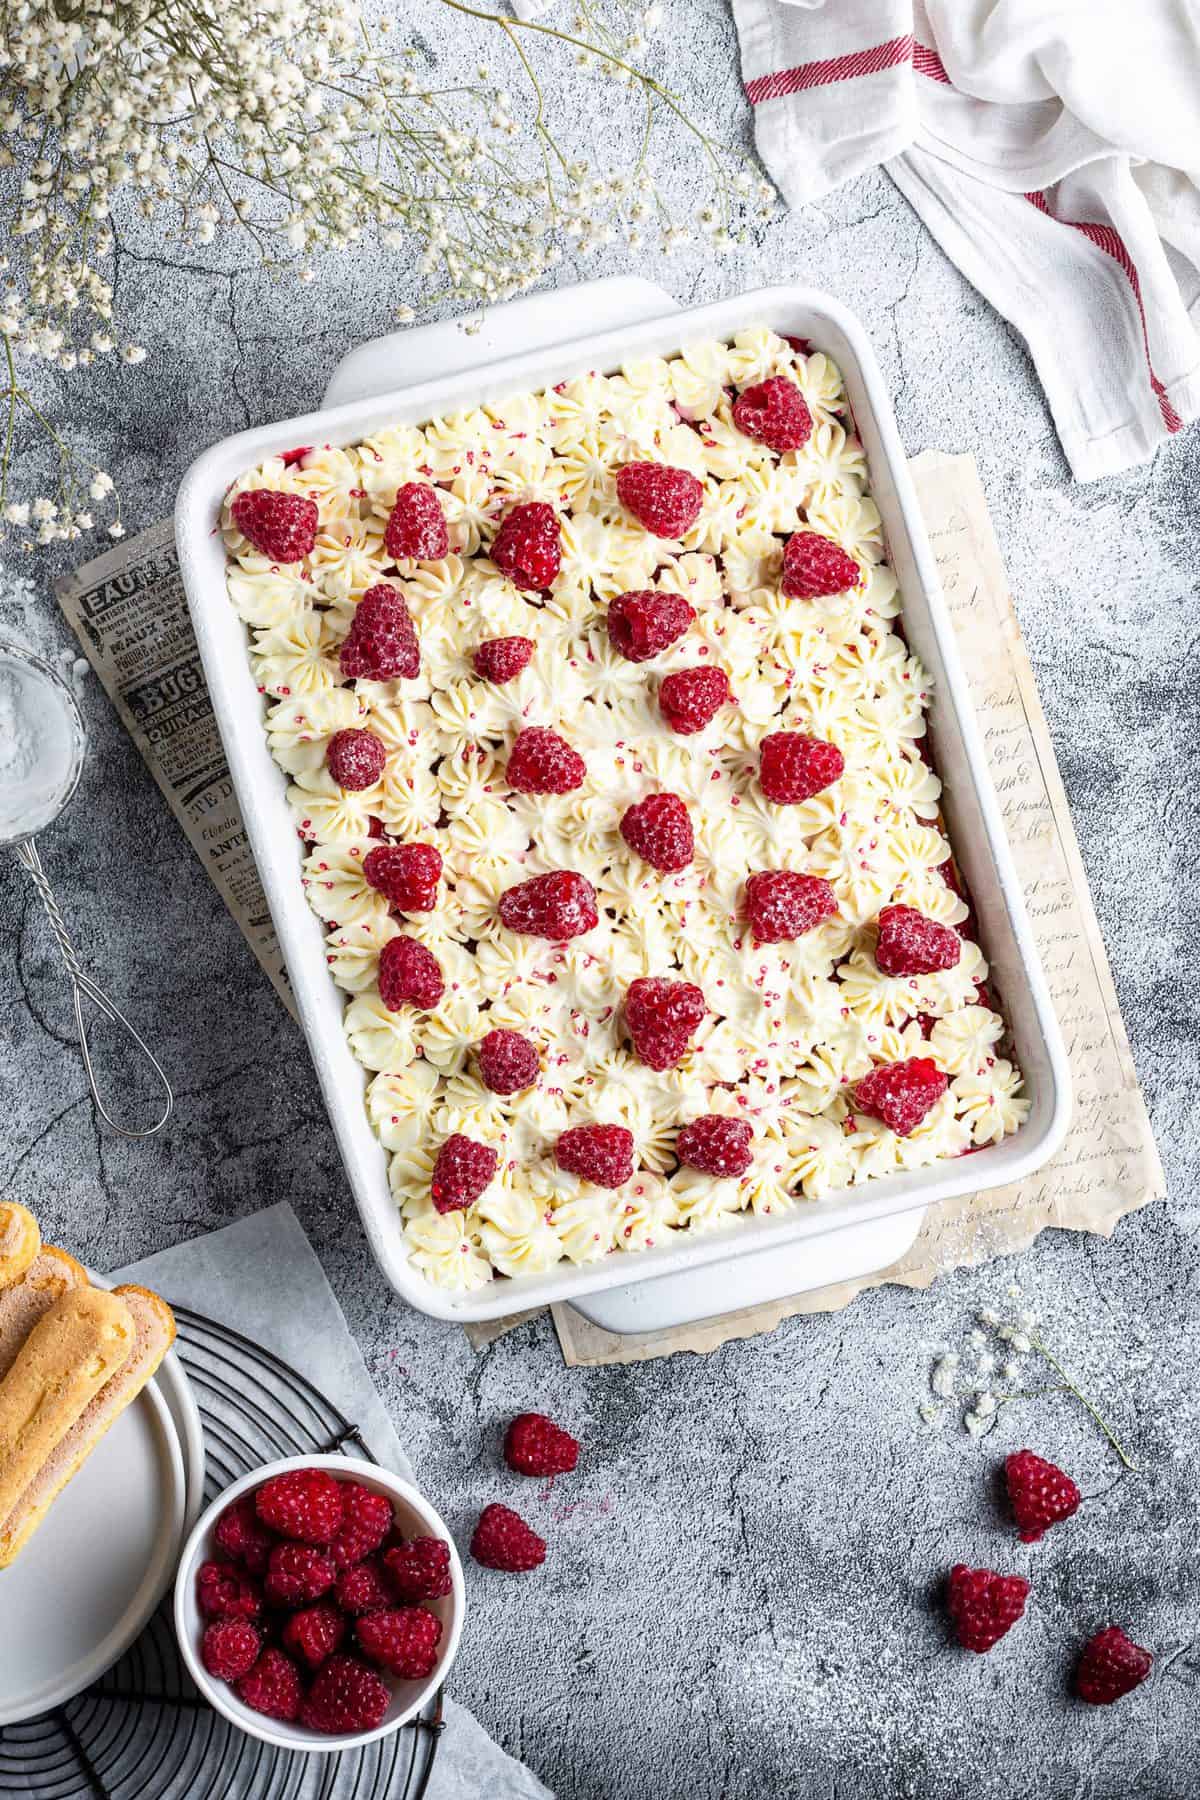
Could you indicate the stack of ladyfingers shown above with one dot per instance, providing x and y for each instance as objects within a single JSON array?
[{"x": 72, "y": 1358}]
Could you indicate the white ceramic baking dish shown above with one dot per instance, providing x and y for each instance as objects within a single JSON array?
[{"x": 845, "y": 1235}]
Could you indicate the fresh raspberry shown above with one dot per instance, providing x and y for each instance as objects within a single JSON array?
[
  {"x": 305, "y": 1504},
  {"x": 1039, "y": 1494},
  {"x": 401, "y": 1639},
  {"x": 541, "y": 762},
  {"x": 406, "y": 874},
  {"x": 508, "y": 1062},
  {"x": 773, "y": 412},
  {"x": 355, "y": 758},
  {"x": 298, "y": 1573},
  {"x": 659, "y": 829},
  {"x": 346, "y": 1696},
  {"x": 527, "y": 548},
  {"x": 557, "y": 906},
  {"x": 240, "y": 1534},
  {"x": 502, "y": 659},
  {"x": 911, "y": 944},
  {"x": 503, "y": 1540},
  {"x": 900, "y": 1094},
  {"x": 690, "y": 699},
  {"x": 381, "y": 643},
  {"x": 665, "y": 500},
  {"x": 661, "y": 1015},
  {"x": 781, "y": 905},
  {"x": 365, "y": 1586},
  {"x": 462, "y": 1170},
  {"x": 416, "y": 527},
  {"x": 314, "y": 1633},
  {"x": 409, "y": 974},
  {"x": 535, "y": 1445},
  {"x": 229, "y": 1648},
  {"x": 792, "y": 767},
  {"x": 1111, "y": 1665},
  {"x": 599, "y": 1153},
  {"x": 716, "y": 1145},
  {"x": 281, "y": 526},
  {"x": 272, "y": 1686},
  {"x": 290, "y": 458},
  {"x": 814, "y": 565},
  {"x": 420, "y": 1568},
  {"x": 984, "y": 1605},
  {"x": 643, "y": 623},
  {"x": 366, "y": 1520},
  {"x": 225, "y": 1593}
]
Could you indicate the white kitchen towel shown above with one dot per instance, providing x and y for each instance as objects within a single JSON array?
[{"x": 1052, "y": 147}]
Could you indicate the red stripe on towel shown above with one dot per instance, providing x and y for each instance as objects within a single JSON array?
[
  {"x": 834, "y": 68},
  {"x": 928, "y": 62}
]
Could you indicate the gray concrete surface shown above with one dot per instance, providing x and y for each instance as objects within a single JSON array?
[{"x": 739, "y": 1599}]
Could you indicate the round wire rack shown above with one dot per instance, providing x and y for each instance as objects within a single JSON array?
[{"x": 142, "y": 1732}]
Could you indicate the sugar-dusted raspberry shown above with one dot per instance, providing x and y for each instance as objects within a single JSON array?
[
  {"x": 314, "y": 1633},
  {"x": 409, "y": 975},
  {"x": 363, "y": 1587},
  {"x": 659, "y": 829},
  {"x": 781, "y": 905},
  {"x": 406, "y": 874},
  {"x": 773, "y": 412},
  {"x": 912, "y": 944},
  {"x": 420, "y": 1568},
  {"x": 792, "y": 767},
  {"x": 272, "y": 1687},
  {"x": 716, "y": 1145},
  {"x": 355, "y": 758},
  {"x": 367, "y": 1518},
  {"x": 644, "y": 623},
  {"x": 305, "y": 1504},
  {"x": 690, "y": 699},
  {"x": 241, "y": 1534},
  {"x": 984, "y": 1605},
  {"x": 229, "y": 1648},
  {"x": 508, "y": 1062},
  {"x": 298, "y": 1573},
  {"x": 503, "y": 1540},
  {"x": 535, "y": 1445},
  {"x": 381, "y": 644},
  {"x": 541, "y": 762},
  {"x": 416, "y": 527},
  {"x": 602, "y": 1154},
  {"x": 662, "y": 1014},
  {"x": 281, "y": 526},
  {"x": 558, "y": 906},
  {"x": 1039, "y": 1493},
  {"x": 527, "y": 548},
  {"x": 401, "y": 1639},
  {"x": 814, "y": 565},
  {"x": 502, "y": 659},
  {"x": 665, "y": 500},
  {"x": 223, "y": 1592},
  {"x": 462, "y": 1171},
  {"x": 346, "y": 1696},
  {"x": 900, "y": 1094},
  {"x": 1111, "y": 1666}
]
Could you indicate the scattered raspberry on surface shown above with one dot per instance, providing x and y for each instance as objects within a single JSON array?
[
  {"x": 984, "y": 1605},
  {"x": 281, "y": 526},
  {"x": 1039, "y": 1493},
  {"x": 229, "y": 1648},
  {"x": 911, "y": 944},
  {"x": 381, "y": 644},
  {"x": 225, "y": 1593},
  {"x": 508, "y": 1062},
  {"x": 716, "y": 1145},
  {"x": 502, "y": 659},
  {"x": 355, "y": 758},
  {"x": 462, "y": 1170},
  {"x": 774, "y": 413},
  {"x": 666, "y": 501},
  {"x": 659, "y": 829},
  {"x": 241, "y": 1534},
  {"x": 401, "y": 1639},
  {"x": 535, "y": 1445},
  {"x": 558, "y": 906},
  {"x": 644, "y": 623},
  {"x": 690, "y": 699},
  {"x": 272, "y": 1686},
  {"x": 363, "y": 1587},
  {"x": 662, "y": 1015},
  {"x": 900, "y": 1094},
  {"x": 407, "y": 875},
  {"x": 814, "y": 565},
  {"x": 502, "y": 1539},
  {"x": 599, "y": 1153},
  {"x": 792, "y": 767},
  {"x": 314, "y": 1633},
  {"x": 305, "y": 1504},
  {"x": 527, "y": 547},
  {"x": 541, "y": 762},
  {"x": 366, "y": 1520},
  {"x": 298, "y": 1573},
  {"x": 781, "y": 905},
  {"x": 347, "y": 1695},
  {"x": 420, "y": 1568},
  {"x": 416, "y": 527},
  {"x": 1111, "y": 1665},
  {"x": 409, "y": 975}
]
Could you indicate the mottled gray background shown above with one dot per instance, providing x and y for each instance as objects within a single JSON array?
[{"x": 738, "y": 1597}]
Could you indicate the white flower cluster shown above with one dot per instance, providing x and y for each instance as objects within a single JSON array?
[{"x": 791, "y": 1026}]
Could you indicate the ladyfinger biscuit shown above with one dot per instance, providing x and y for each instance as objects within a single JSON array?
[
  {"x": 50, "y": 1275},
  {"x": 20, "y": 1241}
]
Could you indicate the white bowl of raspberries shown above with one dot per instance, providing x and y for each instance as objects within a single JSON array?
[{"x": 319, "y": 1603}]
